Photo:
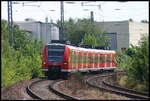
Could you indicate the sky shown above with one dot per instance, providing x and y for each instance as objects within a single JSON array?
[{"x": 108, "y": 11}]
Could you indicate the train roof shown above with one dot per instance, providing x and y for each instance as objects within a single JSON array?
[
  {"x": 83, "y": 49},
  {"x": 92, "y": 50},
  {"x": 59, "y": 44}
]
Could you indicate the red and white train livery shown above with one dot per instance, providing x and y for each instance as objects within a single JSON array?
[{"x": 66, "y": 58}]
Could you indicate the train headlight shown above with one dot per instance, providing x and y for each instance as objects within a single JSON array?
[
  {"x": 65, "y": 63},
  {"x": 44, "y": 62}
]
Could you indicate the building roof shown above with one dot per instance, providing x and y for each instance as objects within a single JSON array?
[
  {"x": 25, "y": 22},
  {"x": 121, "y": 22}
]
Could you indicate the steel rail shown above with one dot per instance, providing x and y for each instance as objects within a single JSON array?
[
  {"x": 54, "y": 89},
  {"x": 31, "y": 92},
  {"x": 90, "y": 83},
  {"x": 128, "y": 92}
]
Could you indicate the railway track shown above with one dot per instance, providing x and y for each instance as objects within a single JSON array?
[
  {"x": 54, "y": 88},
  {"x": 31, "y": 92},
  {"x": 40, "y": 90},
  {"x": 43, "y": 88},
  {"x": 127, "y": 92},
  {"x": 101, "y": 83}
]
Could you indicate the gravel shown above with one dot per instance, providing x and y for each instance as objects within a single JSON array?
[
  {"x": 17, "y": 91},
  {"x": 73, "y": 86},
  {"x": 76, "y": 86}
]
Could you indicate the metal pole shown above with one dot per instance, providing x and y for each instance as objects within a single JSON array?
[
  {"x": 8, "y": 11},
  {"x": 10, "y": 22},
  {"x": 92, "y": 17},
  {"x": 46, "y": 30},
  {"x": 62, "y": 20}
]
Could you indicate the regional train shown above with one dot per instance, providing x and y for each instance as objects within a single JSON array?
[{"x": 63, "y": 59}]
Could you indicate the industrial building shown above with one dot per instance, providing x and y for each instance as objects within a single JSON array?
[
  {"x": 121, "y": 33},
  {"x": 42, "y": 31},
  {"x": 124, "y": 33}
]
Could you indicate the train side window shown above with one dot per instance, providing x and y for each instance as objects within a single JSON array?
[
  {"x": 70, "y": 57},
  {"x": 77, "y": 59},
  {"x": 93, "y": 58},
  {"x": 113, "y": 58},
  {"x": 80, "y": 58},
  {"x": 102, "y": 58},
  {"x": 96, "y": 58},
  {"x": 84, "y": 58},
  {"x": 73, "y": 57},
  {"x": 90, "y": 58},
  {"x": 108, "y": 57}
]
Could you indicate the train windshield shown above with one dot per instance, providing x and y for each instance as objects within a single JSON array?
[{"x": 55, "y": 53}]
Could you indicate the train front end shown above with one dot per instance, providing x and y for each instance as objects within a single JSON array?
[{"x": 53, "y": 59}]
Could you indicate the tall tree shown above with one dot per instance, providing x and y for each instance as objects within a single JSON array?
[
  {"x": 89, "y": 40},
  {"x": 21, "y": 61},
  {"x": 76, "y": 30}
]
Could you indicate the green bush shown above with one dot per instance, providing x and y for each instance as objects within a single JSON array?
[
  {"x": 122, "y": 60},
  {"x": 135, "y": 61},
  {"x": 21, "y": 61},
  {"x": 139, "y": 69},
  {"x": 76, "y": 30}
]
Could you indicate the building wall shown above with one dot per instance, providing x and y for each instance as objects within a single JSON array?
[
  {"x": 49, "y": 32},
  {"x": 121, "y": 29},
  {"x": 55, "y": 32},
  {"x": 38, "y": 30},
  {"x": 41, "y": 31},
  {"x": 136, "y": 30},
  {"x": 30, "y": 26},
  {"x": 127, "y": 32}
]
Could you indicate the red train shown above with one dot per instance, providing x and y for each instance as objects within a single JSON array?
[{"x": 61, "y": 58}]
